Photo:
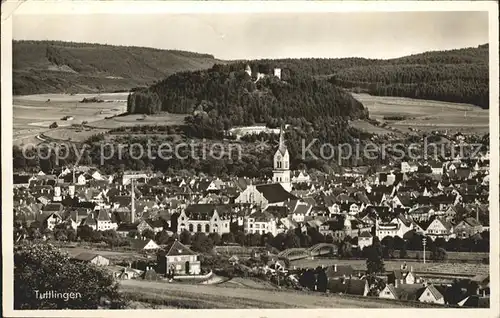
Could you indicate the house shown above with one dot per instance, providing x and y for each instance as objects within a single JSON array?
[
  {"x": 438, "y": 227},
  {"x": 152, "y": 225},
  {"x": 143, "y": 245},
  {"x": 233, "y": 260},
  {"x": 349, "y": 286},
  {"x": 402, "y": 292},
  {"x": 104, "y": 222},
  {"x": 180, "y": 260},
  {"x": 336, "y": 271},
  {"x": 49, "y": 220},
  {"x": 125, "y": 228},
  {"x": 436, "y": 167},
  {"x": 264, "y": 195},
  {"x": 431, "y": 295},
  {"x": 409, "y": 166},
  {"x": 403, "y": 277},
  {"x": 467, "y": 228},
  {"x": 92, "y": 258},
  {"x": 22, "y": 180},
  {"x": 300, "y": 177},
  {"x": 261, "y": 223},
  {"x": 364, "y": 239},
  {"x": 207, "y": 218}
]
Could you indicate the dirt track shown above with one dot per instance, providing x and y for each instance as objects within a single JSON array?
[{"x": 227, "y": 297}]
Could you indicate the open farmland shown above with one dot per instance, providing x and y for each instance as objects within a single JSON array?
[
  {"x": 448, "y": 268},
  {"x": 33, "y": 114},
  {"x": 214, "y": 296},
  {"x": 426, "y": 114}
]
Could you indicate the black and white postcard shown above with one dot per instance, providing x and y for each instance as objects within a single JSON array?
[{"x": 268, "y": 158}]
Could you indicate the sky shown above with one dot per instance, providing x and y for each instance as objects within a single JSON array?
[{"x": 268, "y": 35}]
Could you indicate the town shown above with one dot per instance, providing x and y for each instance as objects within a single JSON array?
[{"x": 416, "y": 232}]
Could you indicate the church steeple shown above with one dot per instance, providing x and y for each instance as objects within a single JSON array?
[
  {"x": 282, "y": 147},
  {"x": 281, "y": 172}
]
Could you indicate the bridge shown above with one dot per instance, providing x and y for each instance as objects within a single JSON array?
[
  {"x": 322, "y": 249},
  {"x": 294, "y": 253},
  {"x": 315, "y": 250}
]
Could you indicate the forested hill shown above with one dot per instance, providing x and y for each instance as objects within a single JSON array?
[
  {"x": 65, "y": 67},
  {"x": 226, "y": 96},
  {"x": 460, "y": 75}
]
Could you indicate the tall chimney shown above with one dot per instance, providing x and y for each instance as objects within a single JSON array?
[
  {"x": 477, "y": 214},
  {"x": 132, "y": 210},
  {"x": 74, "y": 178},
  {"x": 335, "y": 268}
]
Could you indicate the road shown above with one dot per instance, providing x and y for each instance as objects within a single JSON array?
[{"x": 228, "y": 297}]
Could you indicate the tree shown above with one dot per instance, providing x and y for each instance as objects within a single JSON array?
[
  {"x": 438, "y": 254},
  {"x": 148, "y": 234},
  {"x": 316, "y": 236},
  {"x": 40, "y": 268},
  {"x": 403, "y": 253},
  {"x": 322, "y": 280},
  {"x": 345, "y": 250},
  {"x": 388, "y": 246},
  {"x": 292, "y": 240},
  {"x": 374, "y": 258},
  {"x": 227, "y": 238},
  {"x": 252, "y": 239},
  {"x": 266, "y": 239},
  {"x": 279, "y": 241},
  {"x": 85, "y": 233},
  {"x": 240, "y": 238},
  {"x": 202, "y": 243},
  {"x": 133, "y": 234},
  {"x": 185, "y": 237},
  {"x": 215, "y": 237},
  {"x": 162, "y": 237}
]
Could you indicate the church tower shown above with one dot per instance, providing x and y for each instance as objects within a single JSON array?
[{"x": 281, "y": 171}]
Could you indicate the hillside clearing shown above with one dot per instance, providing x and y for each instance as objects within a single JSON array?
[{"x": 426, "y": 114}]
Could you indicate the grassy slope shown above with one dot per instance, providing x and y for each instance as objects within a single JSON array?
[
  {"x": 62, "y": 67},
  {"x": 209, "y": 296}
]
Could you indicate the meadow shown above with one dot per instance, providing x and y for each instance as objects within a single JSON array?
[
  {"x": 425, "y": 115},
  {"x": 215, "y": 296},
  {"x": 33, "y": 114}
]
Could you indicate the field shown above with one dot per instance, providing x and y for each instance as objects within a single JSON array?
[
  {"x": 426, "y": 114},
  {"x": 459, "y": 269},
  {"x": 33, "y": 114},
  {"x": 113, "y": 256},
  {"x": 214, "y": 296}
]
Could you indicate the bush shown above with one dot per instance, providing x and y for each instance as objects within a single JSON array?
[{"x": 43, "y": 268}]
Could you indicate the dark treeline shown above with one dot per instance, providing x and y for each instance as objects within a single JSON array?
[
  {"x": 226, "y": 96},
  {"x": 455, "y": 75}
]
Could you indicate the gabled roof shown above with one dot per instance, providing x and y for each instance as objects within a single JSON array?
[
  {"x": 274, "y": 192},
  {"x": 139, "y": 244},
  {"x": 341, "y": 270},
  {"x": 409, "y": 291},
  {"x": 178, "y": 248},
  {"x": 103, "y": 216},
  {"x": 348, "y": 286},
  {"x": 365, "y": 234},
  {"x": 435, "y": 293},
  {"x": 53, "y": 207}
]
